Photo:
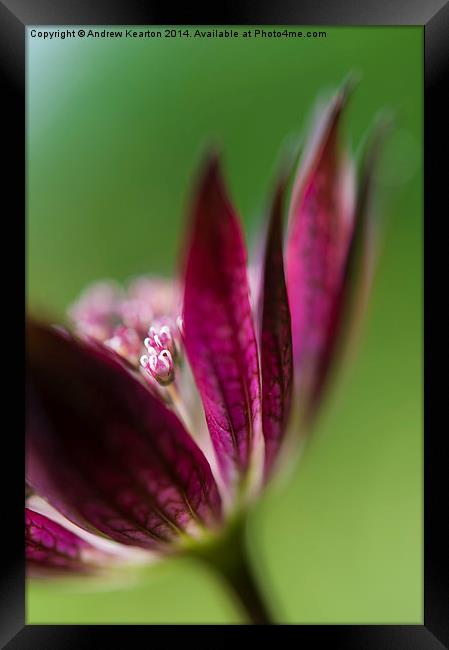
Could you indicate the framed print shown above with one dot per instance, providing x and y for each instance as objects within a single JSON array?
[{"x": 224, "y": 221}]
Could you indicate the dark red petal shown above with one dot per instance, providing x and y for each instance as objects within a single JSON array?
[
  {"x": 320, "y": 228},
  {"x": 218, "y": 328},
  {"x": 276, "y": 336},
  {"x": 105, "y": 452},
  {"x": 50, "y": 548}
]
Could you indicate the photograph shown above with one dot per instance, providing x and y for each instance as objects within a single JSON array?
[{"x": 224, "y": 237}]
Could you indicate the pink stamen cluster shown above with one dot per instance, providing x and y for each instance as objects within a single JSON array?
[
  {"x": 161, "y": 352},
  {"x": 160, "y": 338},
  {"x": 119, "y": 317}
]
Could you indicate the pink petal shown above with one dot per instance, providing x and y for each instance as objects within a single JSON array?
[
  {"x": 50, "y": 548},
  {"x": 320, "y": 228},
  {"x": 276, "y": 337},
  {"x": 107, "y": 453},
  {"x": 218, "y": 328}
]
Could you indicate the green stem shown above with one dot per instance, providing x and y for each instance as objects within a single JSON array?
[
  {"x": 244, "y": 585},
  {"x": 229, "y": 557}
]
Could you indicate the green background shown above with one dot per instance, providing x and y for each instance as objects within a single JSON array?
[{"x": 116, "y": 129}]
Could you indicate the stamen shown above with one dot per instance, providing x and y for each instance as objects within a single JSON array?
[
  {"x": 160, "y": 338},
  {"x": 159, "y": 365}
]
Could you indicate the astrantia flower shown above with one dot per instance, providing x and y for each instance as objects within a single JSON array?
[{"x": 159, "y": 420}]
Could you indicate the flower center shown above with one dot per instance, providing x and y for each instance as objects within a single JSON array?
[
  {"x": 161, "y": 338},
  {"x": 161, "y": 353}
]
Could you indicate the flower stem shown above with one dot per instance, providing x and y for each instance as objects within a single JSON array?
[
  {"x": 229, "y": 557},
  {"x": 244, "y": 585}
]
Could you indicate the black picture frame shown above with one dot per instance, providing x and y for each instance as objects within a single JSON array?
[{"x": 433, "y": 15}]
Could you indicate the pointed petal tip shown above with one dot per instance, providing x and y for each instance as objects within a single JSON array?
[
  {"x": 329, "y": 109},
  {"x": 210, "y": 168},
  {"x": 348, "y": 86},
  {"x": 210, "y": 184},
  {"x": 213, "y": 158},
  {"x": 339, "y": 100},
  {"x": 321, "y": 219}
]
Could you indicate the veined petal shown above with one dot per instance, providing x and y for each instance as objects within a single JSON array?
[
  {"x": 218, "y": 328},
  {"x": 106, "y": 452},
  {"x": 275, "y": 336},
  {"x": 50, "y": 548},
  {"x": 321, "y": 219}
]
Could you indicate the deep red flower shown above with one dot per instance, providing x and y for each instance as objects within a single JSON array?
[{"x": 118, "y": 442}]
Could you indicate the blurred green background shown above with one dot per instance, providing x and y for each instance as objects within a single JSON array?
[{"x": 116, "y": 129}]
